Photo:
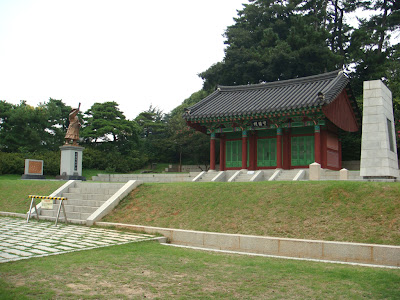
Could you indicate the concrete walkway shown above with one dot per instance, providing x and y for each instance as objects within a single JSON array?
[{"x": 21, "y": 240}]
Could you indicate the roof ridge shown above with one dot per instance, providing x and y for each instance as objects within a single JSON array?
[
  {"x": 201, "y": 102},
  {"x": 330, "y": 88},
  {"x": 293, "y": 81}
]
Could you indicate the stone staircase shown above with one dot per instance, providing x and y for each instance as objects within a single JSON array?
[
  {"x": 267, "y": 174},
  {"x": 243, "y": 177},
  {"x": 208, "y": 176},
  {"x": 287, "y": 175},
  {"x": 84, "y": 198}
]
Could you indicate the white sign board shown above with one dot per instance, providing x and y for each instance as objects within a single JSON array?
[{"x": 47, "y": 204}]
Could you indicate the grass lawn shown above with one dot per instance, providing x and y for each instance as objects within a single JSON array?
[
  {"x": 366, "y": 212},
  {"x": 150, "y": 270},
  {"x": 14, "y": 192}
]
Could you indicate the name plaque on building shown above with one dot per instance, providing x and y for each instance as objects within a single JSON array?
[{"x": 263, "y": 123}]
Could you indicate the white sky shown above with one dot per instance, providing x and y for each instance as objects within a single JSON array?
[{"x": 133, "y": 52}]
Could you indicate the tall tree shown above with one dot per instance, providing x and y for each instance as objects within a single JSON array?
[
  {"x": 104, "y": 122},
  {"x": 57, "y": 122},
  {"x": 270, "y": 41},
  {"x": 371, "y": 50},
  {"x": 154, "y": 134},
  {"x": 23, "y": 128},
  {"x": 189, "y": 146}
]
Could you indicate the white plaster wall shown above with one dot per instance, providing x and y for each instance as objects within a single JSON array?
[{"x": 377, "y": 160}]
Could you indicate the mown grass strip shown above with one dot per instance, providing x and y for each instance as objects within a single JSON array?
[
  {"x": 339, "y": 211},
  {"x": 151, "y": 270}
]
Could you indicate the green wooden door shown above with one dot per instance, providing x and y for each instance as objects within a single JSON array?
[
  {"x": 234, "y": 154},
  {"x": 302, "y": 150},
  {"x": 266, "y": 152}
]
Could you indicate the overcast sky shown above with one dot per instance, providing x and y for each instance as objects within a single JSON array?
[{"x": 133, "y": 52}]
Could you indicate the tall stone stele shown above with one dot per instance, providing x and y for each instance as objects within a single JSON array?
[
  {"x": 72, "y": 154},
  {"x": 378, "y": 142}
]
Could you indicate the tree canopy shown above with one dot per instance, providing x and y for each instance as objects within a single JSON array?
[{"x": 275, "y": 40}]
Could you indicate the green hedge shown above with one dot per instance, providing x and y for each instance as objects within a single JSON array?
[
  {"x": 14, "y": 163},
  {"x": 112, "y": 161}
]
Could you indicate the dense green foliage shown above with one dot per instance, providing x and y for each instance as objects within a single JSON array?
[
  {"x": 112, "y": 142},
  {"x": 270, "y": 40},
  {"x": 275, "y": 40}
]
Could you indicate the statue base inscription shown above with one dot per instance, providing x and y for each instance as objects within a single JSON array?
[{"x": 71, "y": 163}]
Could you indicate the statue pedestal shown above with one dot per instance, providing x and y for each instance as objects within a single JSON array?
[{"x": 71, "y": 163}]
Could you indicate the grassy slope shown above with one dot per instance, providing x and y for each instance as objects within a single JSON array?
[
  {"x": 150, "y": 270},
  {"x": 14, "y": 193},
  {"x": 340, "y": 211}
]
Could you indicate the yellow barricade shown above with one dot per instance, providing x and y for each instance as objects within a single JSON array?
[{"x": 33, "y": 203}]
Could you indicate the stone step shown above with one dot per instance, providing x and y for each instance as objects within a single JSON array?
[
  {"x": 244, "y": 178},
  {"x": 61, "y": 219},
  {"x": 99, "y": 185},
  {"x": 208, "y": 176},
  {"x": 92, "y": 190},
  {"x": 287, "y": 175},
  {"x": 70, "y": 215},
  {"x": 92, "y": 203},
  {"x": 268, "y": 173},
  {"x": 97, "y": 197},
  {"x": 83, "y": 200},
  {"x": 73, "y": 208}
]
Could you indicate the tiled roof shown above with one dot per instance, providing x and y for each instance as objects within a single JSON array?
[{"x": 306, "y": 92}]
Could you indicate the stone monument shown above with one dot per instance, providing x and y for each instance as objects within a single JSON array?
[
  {"x": 33, "y": 169},
  {"x": 71, "y": 154},
  {"x": 378, "y": 142}
]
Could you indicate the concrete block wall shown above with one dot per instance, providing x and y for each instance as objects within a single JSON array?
[{"x": 378, "y": 160}]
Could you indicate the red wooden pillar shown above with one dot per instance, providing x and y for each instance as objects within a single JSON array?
[
  {"x": 340, "y": 153},
  {"x": 252, "y": 153},
  {"x": 324, "y": 149},
  {"x": 244, "y": 150},
  {"x": 212, "y": 151},
  {"x": 287, "y": 151},
  {"x": 317, "y": 144},
  {"x": 222, "y": 153},
  {"x": 279, "y": 148}
]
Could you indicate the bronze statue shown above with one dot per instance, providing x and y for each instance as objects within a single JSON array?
[{"x": 73, "y": 128}]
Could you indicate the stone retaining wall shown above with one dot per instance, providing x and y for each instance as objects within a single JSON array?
[
  {"x": 311, "y": 249},
  {"x": 181, "y": 177}
]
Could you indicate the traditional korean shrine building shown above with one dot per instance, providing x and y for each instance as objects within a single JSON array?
[{"x": 284, "y": 124}]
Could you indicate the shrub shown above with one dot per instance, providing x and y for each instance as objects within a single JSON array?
[{"x": 14, "y": 163}]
